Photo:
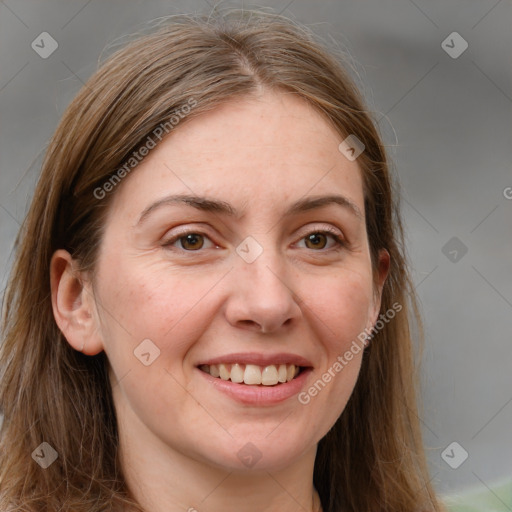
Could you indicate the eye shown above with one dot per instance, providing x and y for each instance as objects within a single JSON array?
[
  {"x": 190, "y": 240},
  {"x": 318, "y": 239}
]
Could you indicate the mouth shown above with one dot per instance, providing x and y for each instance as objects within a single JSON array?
[{"x": 252, "y": 374}]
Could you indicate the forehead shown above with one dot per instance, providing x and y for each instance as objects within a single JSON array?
[{"x": 256, "y": 151}]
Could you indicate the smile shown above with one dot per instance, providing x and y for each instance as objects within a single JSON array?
[{"x": 253, "y": 375}]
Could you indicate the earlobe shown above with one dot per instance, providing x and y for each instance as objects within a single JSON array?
[
  {"x": 73, "y": 305},
  {"x": 383, "y": 272},
  {"x": 384, "y": 265}
]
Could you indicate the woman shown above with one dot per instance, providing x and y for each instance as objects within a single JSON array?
[{"x": 209, "y": 306}]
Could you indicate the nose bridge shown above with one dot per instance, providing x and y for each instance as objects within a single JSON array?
[
  {"x": 262, "y": 292},
  {"x": 262, "y": 265}
]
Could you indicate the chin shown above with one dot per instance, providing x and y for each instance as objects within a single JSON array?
[{"x": 259, "y": 454}]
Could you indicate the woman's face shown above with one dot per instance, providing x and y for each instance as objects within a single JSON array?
[{"x": 183, "y": 287}]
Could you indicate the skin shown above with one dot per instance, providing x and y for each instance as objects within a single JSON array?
[{"x": 179, "y": 436}]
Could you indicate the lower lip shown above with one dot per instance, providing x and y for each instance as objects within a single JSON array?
[{"x": 259, "y": 394}]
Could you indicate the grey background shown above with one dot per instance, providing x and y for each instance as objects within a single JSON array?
[{"x": 447, "y": 122}]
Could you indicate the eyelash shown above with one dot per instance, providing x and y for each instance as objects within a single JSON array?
[{"x": 340, "y": 242}]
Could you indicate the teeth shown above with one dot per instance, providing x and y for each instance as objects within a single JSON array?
[
  {"x": 252, "y": 374},
  {"x": 237, "y": 373},
  {"x": 223, "y": 372},
  {"x": 214, "y": 370},
  {"x": 281, "y": 376},
  {"x": 269, "y": 376}
]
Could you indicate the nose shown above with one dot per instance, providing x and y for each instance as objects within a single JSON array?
[{"x": 262, "y": 296}]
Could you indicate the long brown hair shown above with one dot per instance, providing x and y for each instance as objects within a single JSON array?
[{"x": 373, "y": 458}]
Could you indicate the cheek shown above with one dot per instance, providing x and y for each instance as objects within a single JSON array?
[
  {"x": 336, "y": 310},
  {"x": 168, "y": 309},
  {"x": 340, "y": 311},
  {"x": 150, "y": 301},
  {"x": 342, "y": 304},
  {"x": 140, "y": 303}
]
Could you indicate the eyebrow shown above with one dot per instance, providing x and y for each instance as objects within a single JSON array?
[{"x": 216, "y": 206}]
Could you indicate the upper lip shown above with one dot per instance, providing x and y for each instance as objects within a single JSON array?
[{"x": 259, "y": 359}]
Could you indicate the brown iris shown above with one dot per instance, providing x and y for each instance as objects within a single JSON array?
[
  {"x": 314, "y": 237},
  {"x": 191, "y": 240}
]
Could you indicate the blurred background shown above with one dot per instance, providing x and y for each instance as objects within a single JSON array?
[{"x": 437, "y": 74}]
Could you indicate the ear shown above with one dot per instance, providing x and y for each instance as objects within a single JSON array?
[
  {"x": 73, "y": 305},
  {"x": 383, "y": 271}
]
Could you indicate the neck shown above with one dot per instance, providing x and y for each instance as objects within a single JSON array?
[{"x": 163, "y": 479}]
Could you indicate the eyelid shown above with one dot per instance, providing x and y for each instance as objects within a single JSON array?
[
  {"x": 335, "y": 233},
  {"x": 324, "y": 229},
  {"x": 184, "y": 232}
]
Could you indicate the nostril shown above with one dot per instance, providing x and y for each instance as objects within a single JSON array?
[{"x": 251, "y": 325}]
